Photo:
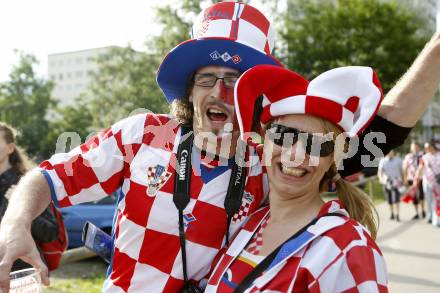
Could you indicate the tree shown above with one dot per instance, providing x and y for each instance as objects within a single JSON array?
[
  {"x": 76, "y": 119},
  {"x": 126, "y": 80},
  {"x": 323, "y": 34},
  {"x": 176, "y": 24},
  {"x": 24, "y": 103}
]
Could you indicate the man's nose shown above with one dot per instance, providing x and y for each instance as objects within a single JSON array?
[{"x": 222, "y": 92}]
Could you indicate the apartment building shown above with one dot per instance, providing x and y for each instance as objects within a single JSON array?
[{"x": 71, "y": 72}]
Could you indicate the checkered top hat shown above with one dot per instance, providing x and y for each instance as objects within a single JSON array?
[
  {"x": 347, "y": 96},
  {"x": 229, "y": 34}
]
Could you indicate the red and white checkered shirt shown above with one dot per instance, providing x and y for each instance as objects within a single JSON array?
[
  {"x": 411, "y": 163},
  {"x": 336, "y": 254},
  {"x": 138, "y": 155}
]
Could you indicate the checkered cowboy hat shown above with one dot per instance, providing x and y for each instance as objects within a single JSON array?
[
  {"x": 347, "y": 96},
  {"x": 229, "y": 34}
]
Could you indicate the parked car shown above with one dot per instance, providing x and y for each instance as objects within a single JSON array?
[{"x": 98, "y": 212}]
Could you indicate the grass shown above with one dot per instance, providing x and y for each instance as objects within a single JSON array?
[
  {"x": 377, "y": 191},
  {"x": 89, "y": 284},
  {"x": 84, "y": 276}
]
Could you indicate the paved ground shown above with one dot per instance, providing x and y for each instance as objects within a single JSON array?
[{"x": 412, "y": 252}]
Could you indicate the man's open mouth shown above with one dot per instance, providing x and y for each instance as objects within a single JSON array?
[{"x": 216, "y": 114}]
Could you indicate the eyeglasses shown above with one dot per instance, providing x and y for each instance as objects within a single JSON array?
[
  {"x": 278, "y": 132},
  {"x": 209, "y": 80}
]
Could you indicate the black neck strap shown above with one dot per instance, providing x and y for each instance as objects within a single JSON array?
[
  {"x": 236, "y": 186},
  {"x": 181, "y": 195},
  {"x": 182, "y": 181},
  {"x": 262, "y": 266}
]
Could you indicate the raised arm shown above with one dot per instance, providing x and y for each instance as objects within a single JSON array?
[
  {"x": 409, "y": 98},
  {"x": 402, "y": 107}
]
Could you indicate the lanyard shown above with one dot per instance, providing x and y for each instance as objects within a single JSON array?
[
  {"x": 271, "y": 259},
  {"x": 182, "y": 181}
]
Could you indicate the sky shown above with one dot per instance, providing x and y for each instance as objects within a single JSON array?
[{"x": 45, "y": 27}]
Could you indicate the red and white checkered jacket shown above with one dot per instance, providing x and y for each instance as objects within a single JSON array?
[
  {"x": 138, "y": 155},
  {"x": 334, "y": 255}
]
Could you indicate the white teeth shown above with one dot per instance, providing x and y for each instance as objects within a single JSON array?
[
  {"x": 292, "y": 171},
  {"x": 215, "y": 111}
]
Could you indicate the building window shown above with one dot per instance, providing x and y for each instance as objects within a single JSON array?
[
  {"x": 68, "y": 75},
  {"x": 60, "y": 76},
  {"x": 79, "y": 74}
]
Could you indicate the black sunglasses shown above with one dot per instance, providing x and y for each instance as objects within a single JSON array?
[{"x": 278, "y": 132}]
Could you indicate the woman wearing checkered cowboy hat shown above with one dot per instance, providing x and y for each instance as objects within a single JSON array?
[
  {"x": 197, "y": 78},
  {"x": 299, "y": 242}
]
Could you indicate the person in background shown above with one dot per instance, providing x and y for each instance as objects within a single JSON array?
[
  {"x": 410, "y": 166},
  {"x": 391, "y": 176},
  {"x": 429, "y": 171},
  {"x": 14, "y": 163}
]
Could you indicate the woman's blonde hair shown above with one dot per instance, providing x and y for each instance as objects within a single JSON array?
[
  {"x": 18, "y": 159},
  {"x": 357, "y": 203}
]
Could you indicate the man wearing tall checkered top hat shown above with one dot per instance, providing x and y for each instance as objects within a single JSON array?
[{"x": 138, "y": 156}]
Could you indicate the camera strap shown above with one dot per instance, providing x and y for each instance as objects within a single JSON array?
[
  {"x": 268, "y": 260},
  {"x": 182, "y": 181}
]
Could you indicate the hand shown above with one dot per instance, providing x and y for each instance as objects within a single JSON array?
[
  {"x": 10, "y": 191},
  {"x": 16, "y": 242}
]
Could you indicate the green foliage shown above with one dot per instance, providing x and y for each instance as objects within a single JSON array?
[
  {"x": 324, "y": 34},
  {"x": 24, "y": 103},
  {"x": 75, "y": 118},
  {"x": 176, "y": 24},
  {"x": 125, "y": 82}
]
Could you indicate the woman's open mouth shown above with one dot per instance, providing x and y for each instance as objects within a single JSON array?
[{"x": 292, "y": 171}]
